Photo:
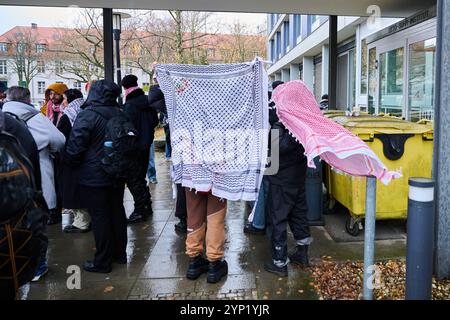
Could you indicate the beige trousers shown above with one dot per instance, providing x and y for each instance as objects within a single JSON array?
[{"x": 206, "y": 221}]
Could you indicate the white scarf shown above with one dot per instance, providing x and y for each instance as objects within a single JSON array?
[{"x": 218, "y": 119}]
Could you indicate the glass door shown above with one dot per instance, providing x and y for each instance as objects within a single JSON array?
[
  {"x": 421, "y": 75},
  {"x": 391, "y": 81}
]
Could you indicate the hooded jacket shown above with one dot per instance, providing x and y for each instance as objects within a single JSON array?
[
  {"x": 49, "y": 141},
  {"x": 143, "y": 117},
  {"x": 292, "y": 161},
  {"x": 85, "y": 147}
]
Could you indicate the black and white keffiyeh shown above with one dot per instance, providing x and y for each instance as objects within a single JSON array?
[{"x": 218, "y": 119}]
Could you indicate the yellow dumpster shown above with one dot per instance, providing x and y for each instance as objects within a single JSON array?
[{"x": 400, "y": 145}]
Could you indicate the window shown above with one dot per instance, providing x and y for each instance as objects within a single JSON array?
[
  {"x": 3, "y": 47},
  {"x": 128, "y": 68},
  {"x": 297, "y": 28},
  {"x": 372, "y": 89},
  {"x": 286, "y": 36},
  {"x": 272, "y": 50},
  {"x": 278, "y": 39},
  {"x": 20, "y": 47},
  {"x": 3, "y": 69},
  {"x": 364, "y": 78},
  {"x": 422, "y": 65},
  {"x": 315, "y": 22},
  {"x": 210, "y": 52},
  {"x": 40, "y": 66},
  {"x": 77, "y": 85},
  {"x": 41, "y": 87},
  {"x": 391, "y": 82},
  {"x": 59, "y": 67},
  {"x": 40, "y": 48}
]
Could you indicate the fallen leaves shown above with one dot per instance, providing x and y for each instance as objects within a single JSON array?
[
  {"x": 343, "y": 281},
  {"x": 108, "y": 289}
]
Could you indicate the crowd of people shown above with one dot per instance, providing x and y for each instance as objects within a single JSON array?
[{"x": 67, "y": 141}]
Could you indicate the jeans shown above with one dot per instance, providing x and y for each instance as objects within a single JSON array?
[
  {"x": 151, "y": 170},
  {"x": 168, "y": 145},
  {"x": 259, "y": 217}
]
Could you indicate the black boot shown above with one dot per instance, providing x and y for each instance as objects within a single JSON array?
[
  {"x": 197, "y": 266},
  {"x": 300, "y": 256},
  {"x": 55, "y": 216},
  {"x": 217, "y": 269},
  {"x": 136, "y": 217},
  {"x": 181, "y": 226},
  {"x": 273, "y": 268}
]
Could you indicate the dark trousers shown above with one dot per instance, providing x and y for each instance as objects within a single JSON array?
[
  {"x": 180, "y": 208},
  {"x": 136, "y": 180},
  {"x": 168, "y": 143},
  {"x": 109, "y": 223},
  {"x": 286, "y": 205}
]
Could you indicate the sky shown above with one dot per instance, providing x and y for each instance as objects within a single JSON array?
[{"x": 65, "y": 17}]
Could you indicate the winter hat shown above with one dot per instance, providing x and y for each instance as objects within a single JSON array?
[
  {"x": 129, "y": 81},
  {"x": 276, "y": 84},
  {"x": 59, "y": 88}
]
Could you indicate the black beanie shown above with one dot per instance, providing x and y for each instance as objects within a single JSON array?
[
  {"x": 129, "y": 81},
  {"x": 276, "y": 84}
]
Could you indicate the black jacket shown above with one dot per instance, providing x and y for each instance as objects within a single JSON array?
[
  {"x": 85, "y": 146},
  {"x": 156, "y": 99},
  {"x": 143, "y": 117},
  {"x": 19, "y": 129},
  {"x": 292, "y": 161},
  {"x": 68, "y": 176},
  {"x": 157, "y": 102}
]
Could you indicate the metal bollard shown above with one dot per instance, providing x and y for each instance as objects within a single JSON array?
[
  {"x": 420, "y": 239},
  {"x": 369, "y": 235}
]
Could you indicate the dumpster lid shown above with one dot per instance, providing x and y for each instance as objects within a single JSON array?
[{"x": 382, "y": 124}]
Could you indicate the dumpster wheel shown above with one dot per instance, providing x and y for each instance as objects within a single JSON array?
[{"x": 353, "y": 225}]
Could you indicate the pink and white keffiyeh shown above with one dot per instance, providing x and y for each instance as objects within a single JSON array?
[{"x": 320, "y": 136}]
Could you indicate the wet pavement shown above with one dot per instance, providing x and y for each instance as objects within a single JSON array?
[{"x": 157, "y": 263}]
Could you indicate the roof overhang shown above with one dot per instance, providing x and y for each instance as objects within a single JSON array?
[{"x": 388, "y": 8}]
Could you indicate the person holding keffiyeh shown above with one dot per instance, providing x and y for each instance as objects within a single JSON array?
[{"x": 68, "y": 176}]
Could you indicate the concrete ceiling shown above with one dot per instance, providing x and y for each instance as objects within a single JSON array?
[{"x": 389, "y": 8}]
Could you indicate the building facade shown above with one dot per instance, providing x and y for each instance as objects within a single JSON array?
[
  {"x": 36, "y": 45},
  {"x": 385, "y": 65}
]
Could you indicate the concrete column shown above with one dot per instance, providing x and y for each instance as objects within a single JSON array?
[
  {"x": 325, "y": 57},
  {"x": 308, "y": 72},
  {"x": 442, "y": 143},
  {"x": 271, "y": 79},
  {"x": 278, "y": 76},
  {"x": 294, "y": 71},
  {"x": 285, "y": 75}
]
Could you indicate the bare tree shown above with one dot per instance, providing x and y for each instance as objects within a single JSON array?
[
  {"x": 80, "y": 50},
  {"x": 27, "y": 53},
  {"x": 240, "y": 46}
]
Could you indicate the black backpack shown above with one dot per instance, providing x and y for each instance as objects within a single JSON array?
[
  {"x": 22, "y": 234},
  {"x": 120, "y": 143}
]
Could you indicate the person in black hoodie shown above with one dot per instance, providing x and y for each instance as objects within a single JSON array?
[
  {"x": 102, "y": 196},
  {"x": 144, "y": 119},
  {"x": 286, "y": 203}
]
